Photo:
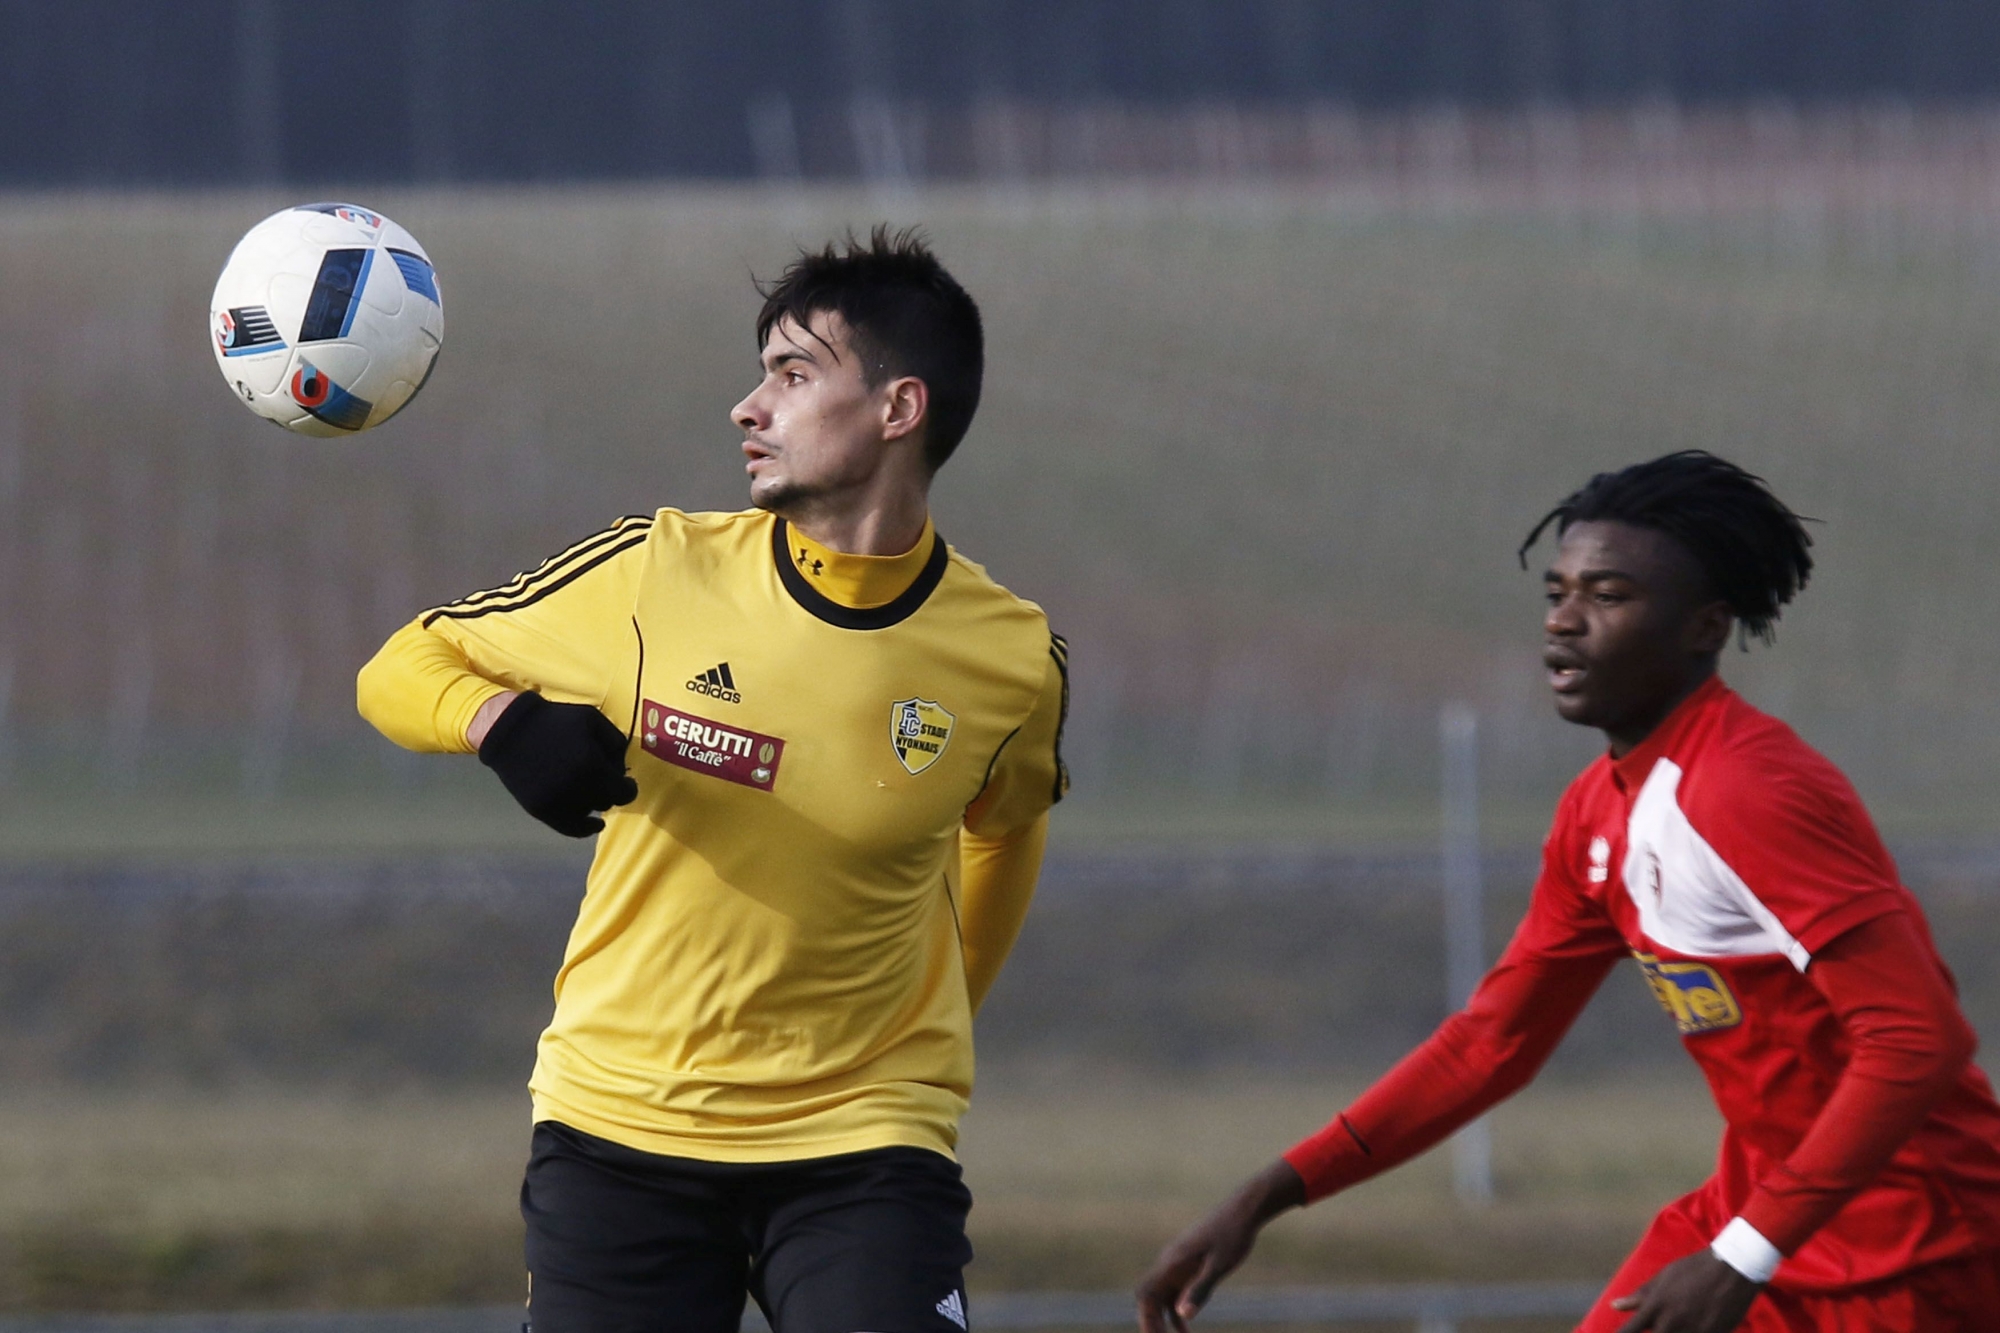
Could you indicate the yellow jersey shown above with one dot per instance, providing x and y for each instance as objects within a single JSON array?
[{"x": 844, "y": 764}]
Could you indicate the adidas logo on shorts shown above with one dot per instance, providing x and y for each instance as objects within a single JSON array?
[
  {"x": 952, "y": 1307},
  {"x": 716, "y": 683}
]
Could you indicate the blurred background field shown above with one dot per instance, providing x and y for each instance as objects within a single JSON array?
[
  {"x": 1269, "y": 451},
  {"x": 1298, "y": 317},
  {"x": 1263, "y": 451}
]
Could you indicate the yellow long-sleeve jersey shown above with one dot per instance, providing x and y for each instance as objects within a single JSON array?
[{"x": 845, "y": 766}]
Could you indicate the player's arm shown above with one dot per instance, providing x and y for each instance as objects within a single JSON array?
[
  {"x": 520, "y": 675},
  {"x": 420, "y": 692},
  {"x": 1477, "y": 1058},
  {"x": 1910, "y": 1045},
  {"x": 1804, "y": 845},
  {"x": 1006, "y": 829},
  {"x": 997, "y": 883}
]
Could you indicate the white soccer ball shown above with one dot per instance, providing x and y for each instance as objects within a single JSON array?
[{"x": 327, "y": 319}]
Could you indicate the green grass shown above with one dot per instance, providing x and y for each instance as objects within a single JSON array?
[{"x": 269, "y": 1198}]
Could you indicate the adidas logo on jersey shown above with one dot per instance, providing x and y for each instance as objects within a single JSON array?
[
  {"x": 952, "y": 1307},
  {"x": 716, "y": 683}
]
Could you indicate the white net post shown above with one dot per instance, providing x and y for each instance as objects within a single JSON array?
[{"x": 1464, "y": 925}]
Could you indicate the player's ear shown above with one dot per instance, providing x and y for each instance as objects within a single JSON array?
[
  {"x": 1708, "y": 628},
  {"x": 906, "y": 403}
]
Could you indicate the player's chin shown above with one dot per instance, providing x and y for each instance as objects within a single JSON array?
[
  {"x": 1578, "y": 707},
  {"x": 774, "y": 492}
]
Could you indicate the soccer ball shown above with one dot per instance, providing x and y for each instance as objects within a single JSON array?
[{"x": 327, "y": 319}]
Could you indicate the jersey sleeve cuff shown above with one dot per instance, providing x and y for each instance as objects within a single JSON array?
[
  {"x": 1744, "y": 1249},
  {"x": 1331, "y": 1160}
]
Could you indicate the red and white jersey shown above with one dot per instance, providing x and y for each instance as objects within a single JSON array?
[{"x": 1723, "y": 853}]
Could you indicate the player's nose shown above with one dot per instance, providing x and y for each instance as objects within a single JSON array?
[
  {"x": 750, "y": 414},
  {"x": 1561, "y": 620}
]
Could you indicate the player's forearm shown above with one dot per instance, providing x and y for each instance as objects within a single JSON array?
[
  {"x": 997, "y": 879},
  {"x": 1432, "y": 1093},
  {"x": 1910, "y": 1045},
  {"x": 420, "y": 693},
  {"x": 1479, "y": 1057}
]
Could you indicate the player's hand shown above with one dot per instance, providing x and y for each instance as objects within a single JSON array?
[
  {"x": 1698, "y": 1294},
  {"x": 1188, "y": 1270},
  {"x": 562, "y": 762}
]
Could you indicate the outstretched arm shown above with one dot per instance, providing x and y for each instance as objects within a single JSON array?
[{"x": 1480, "y": 1056}]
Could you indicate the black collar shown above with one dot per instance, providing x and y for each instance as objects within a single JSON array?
[{"x": 850, "y": 617}]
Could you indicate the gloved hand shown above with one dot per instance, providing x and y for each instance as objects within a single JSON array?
[{"x": 562, "y": 762}]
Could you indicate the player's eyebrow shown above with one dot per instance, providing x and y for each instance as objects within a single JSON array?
[
  {"x": 794, "y": 353},
  {"x": 1589, "y": 576}
]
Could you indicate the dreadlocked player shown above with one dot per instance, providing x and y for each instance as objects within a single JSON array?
[
  {"x": 1858, "y": 1184},
  {"x": 841, "y": 739}
]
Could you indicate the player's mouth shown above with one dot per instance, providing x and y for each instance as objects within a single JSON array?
[
  {"x": 1566, "y": 669},
  {"x": 755, "y": 451}
]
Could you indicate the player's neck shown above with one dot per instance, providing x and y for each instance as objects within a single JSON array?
[
  {"x": 885, "y": 525},
  {"x": 1634, "y": 732}
]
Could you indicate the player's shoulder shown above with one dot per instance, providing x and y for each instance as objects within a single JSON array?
[
  {"x": 1578, "y": 806},
  {"x": 972, "y": 602},
  {"x": 968, "y": 580},
  {"x": 708, "y": 525},
  {"x": 607, "y": 547},
  {"x": 718, "y": 535},
  {"x": 1754, "y": 763}
]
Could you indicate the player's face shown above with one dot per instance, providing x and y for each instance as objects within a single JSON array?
[
  {"x": 812, "y": 427},
  {"x": 1630, "y": 629}
]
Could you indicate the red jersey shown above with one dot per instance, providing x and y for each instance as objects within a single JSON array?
[{"x": 1723, "y": 854}]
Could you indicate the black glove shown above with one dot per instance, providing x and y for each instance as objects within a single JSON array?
[{"x": 562, "y": 762}]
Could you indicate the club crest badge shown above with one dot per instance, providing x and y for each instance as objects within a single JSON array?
[{"x": 919, "y": 729}]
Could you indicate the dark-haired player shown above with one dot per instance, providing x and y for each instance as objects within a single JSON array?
[
  {"x": 821, "y": 748},
  {"x": 1858, "y": 1184}
]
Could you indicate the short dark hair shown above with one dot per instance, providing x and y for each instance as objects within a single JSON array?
[
  {"x": 904, "y": 314},
  {"x": 1751, "y": 548}
]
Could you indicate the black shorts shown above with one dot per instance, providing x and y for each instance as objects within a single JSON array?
[{"x": 622, "y": 1241}]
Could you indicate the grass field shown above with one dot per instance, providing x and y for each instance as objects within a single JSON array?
[
  {"x": 268, "y": 1198},
  {"x": 300, "y": 1084},
  {"x": 1265, "y": 453}
]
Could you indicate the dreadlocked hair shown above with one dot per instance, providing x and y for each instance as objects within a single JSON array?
[{"x": 1752, "y": 549}]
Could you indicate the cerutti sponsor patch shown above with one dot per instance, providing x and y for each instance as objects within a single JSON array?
[{"x": 701, "y": 746}]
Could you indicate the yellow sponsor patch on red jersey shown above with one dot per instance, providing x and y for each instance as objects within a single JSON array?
[{"x": 1693, "y": 994}]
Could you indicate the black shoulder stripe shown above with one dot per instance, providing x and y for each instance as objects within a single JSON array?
[
  {"x": 1059, "y": 654},
  {"x": 526, "y": 581},
  {"x": 474, "y": 612}
]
